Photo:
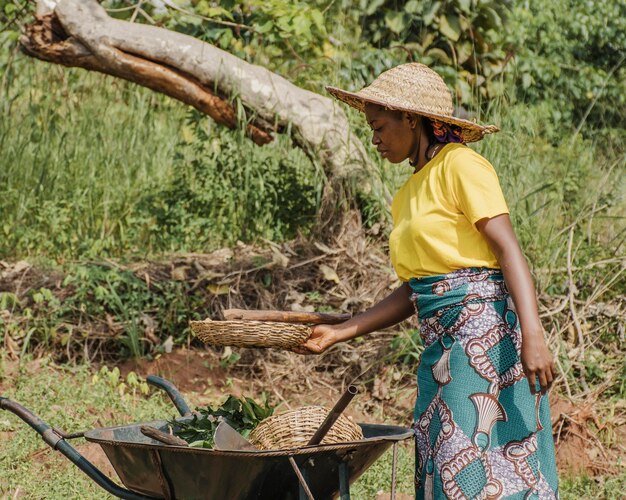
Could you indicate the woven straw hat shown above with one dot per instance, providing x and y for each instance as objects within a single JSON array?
[{"x": 414, "y": 88}]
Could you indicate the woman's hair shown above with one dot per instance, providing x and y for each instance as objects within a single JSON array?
[
  {"x": 428, "y": 128},
  {"x": 437, "y": 131},
  {"x": 445, "y": 132}
]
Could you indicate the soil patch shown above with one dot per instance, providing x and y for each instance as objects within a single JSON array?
[
  {"x": 93, "y": 453},
  {"x": 190, "y": 370},
  {"x": 579, "y": 450},
  {"x": 202, "y": 377}
]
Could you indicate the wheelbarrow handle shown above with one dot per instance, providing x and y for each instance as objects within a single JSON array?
[
  {"x": 56, "y": 442},
  {"x": 333, "y": 415},
  {"x": 174, "y": 394}
]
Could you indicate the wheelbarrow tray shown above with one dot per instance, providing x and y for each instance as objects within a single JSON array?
[{"x": 149, "y": 467}]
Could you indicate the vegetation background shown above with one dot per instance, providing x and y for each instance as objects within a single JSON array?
[{"x": 103, "y": 183}]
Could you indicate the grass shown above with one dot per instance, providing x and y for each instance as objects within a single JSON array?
[
  {"x": 100, "y": 167},
  {"x": 77, "y": 158},
  {"x": 72, "y": 399}
]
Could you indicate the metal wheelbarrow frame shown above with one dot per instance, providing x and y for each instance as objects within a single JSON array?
[{"x": 152, "y": 470}]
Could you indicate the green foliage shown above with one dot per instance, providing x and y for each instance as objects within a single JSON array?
[
  {"x": 13, "y": 14},
  {"x": 242, "y": 414},
  {"x": 135, "y": 180},
  {"x": 138, "y": 316},
  {"x": 583, "y": 486},
  {"x": 554, "y": 182},
  {"x": 377, "y": 478},
  {"x": 223, "y": 189},
  {"x": 69, "y": 180},
  {"x": 406, "y": 348},
  {"x": 282, "y": 36},
  {"x": 571, "y": 53},
  {"x": 458, "y": 38}
]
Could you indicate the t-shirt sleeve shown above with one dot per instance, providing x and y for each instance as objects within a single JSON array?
[{"x": 474, "y": 186}]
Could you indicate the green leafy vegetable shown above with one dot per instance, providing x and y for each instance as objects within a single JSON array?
[{"x": 242, "y": 414}]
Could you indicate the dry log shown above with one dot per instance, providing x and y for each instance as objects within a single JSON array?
[
  {"x": 161, "y": 436},
  {"x": 286, "y": 316}
]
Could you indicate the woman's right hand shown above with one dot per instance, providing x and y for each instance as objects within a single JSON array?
[{"x": 322, "y": 337}]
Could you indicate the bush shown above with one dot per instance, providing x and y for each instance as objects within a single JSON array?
[{"x": 223, "y": 188}]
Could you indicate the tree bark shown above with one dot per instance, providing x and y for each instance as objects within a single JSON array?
[{"x": 80, "y": 33}]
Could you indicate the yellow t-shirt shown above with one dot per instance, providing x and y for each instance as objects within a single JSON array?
[{"x": 435, "y": 211}]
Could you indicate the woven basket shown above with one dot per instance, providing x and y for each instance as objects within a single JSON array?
[
  {"x": 250, "y": 333},
  {"x": 294, "y": 429}
]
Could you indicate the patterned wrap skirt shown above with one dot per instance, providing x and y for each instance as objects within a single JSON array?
[{"x": 480, "y": 433}]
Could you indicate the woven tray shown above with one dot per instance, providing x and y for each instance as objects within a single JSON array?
[
  {"x": 294, "y": 429},
  {"x": 250, "y": 333}
]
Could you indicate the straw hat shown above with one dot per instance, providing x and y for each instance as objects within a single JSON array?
[{"x": 414, "y": 88}]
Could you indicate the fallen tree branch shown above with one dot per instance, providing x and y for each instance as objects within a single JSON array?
[
  {"x": 47, "y": 40},
  {"x": 80, "y": 33}
]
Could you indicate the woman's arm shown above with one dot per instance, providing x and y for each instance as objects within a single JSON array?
[
  {"x": 394, "y": 308},
  {"x": 535, "y": 356}
]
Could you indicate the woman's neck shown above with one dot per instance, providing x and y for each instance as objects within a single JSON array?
[{"x": 426, "y": 153}]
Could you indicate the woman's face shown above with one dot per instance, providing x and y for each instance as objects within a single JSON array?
[{"x": 394, "y": 132}]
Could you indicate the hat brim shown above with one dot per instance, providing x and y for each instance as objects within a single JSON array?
[{"x": 470, "y": 131}]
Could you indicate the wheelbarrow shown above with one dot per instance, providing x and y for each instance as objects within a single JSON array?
[{"x": 150, "y": 469}]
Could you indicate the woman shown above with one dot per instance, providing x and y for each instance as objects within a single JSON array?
[{"x": 482, "y": 420}]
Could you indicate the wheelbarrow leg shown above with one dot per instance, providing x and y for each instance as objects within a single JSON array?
[
  {"x": 344, "y": 481},
  {"x": 394, "y": 469},
  {"x": 304, "y": 492},
  {"x": 56, "y": 442}
]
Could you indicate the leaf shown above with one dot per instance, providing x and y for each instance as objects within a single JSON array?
[
  {"x": 527, "y": 80},
  {"x": 179, "y": 273},
  {"x": 217, "y": 289},
  {"x": 429, "y": 16},
  {"x": 463, "y": 51},
  {"x": 318, "y": 19},
  {"x": 412, "y": 7},
  {"x": 219, "y": 11},
  {"x": 242, "y": 414},
  {"x": 396, "y": 21},
  {"x": 301, "y": 25},
  {"x": 439, "y": 55},
  {"x": 279, "y": 258},
  {"x": 464, "y": 90},
  {"x": 465, "y": 5},
  {"x": 225, "y": 39},
  {"x": 265, "y": 27},
  {"x": 373, "y": 7},
  {"x": 493, "y": 19},
  {"x": 329, "y": 273},
  {"x": 450, "y": 27}
]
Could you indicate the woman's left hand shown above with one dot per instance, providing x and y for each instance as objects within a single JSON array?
[{"x": 537, "y": 363}]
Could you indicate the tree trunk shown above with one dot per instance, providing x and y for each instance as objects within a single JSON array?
[{"x": 80, "y": 33}]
